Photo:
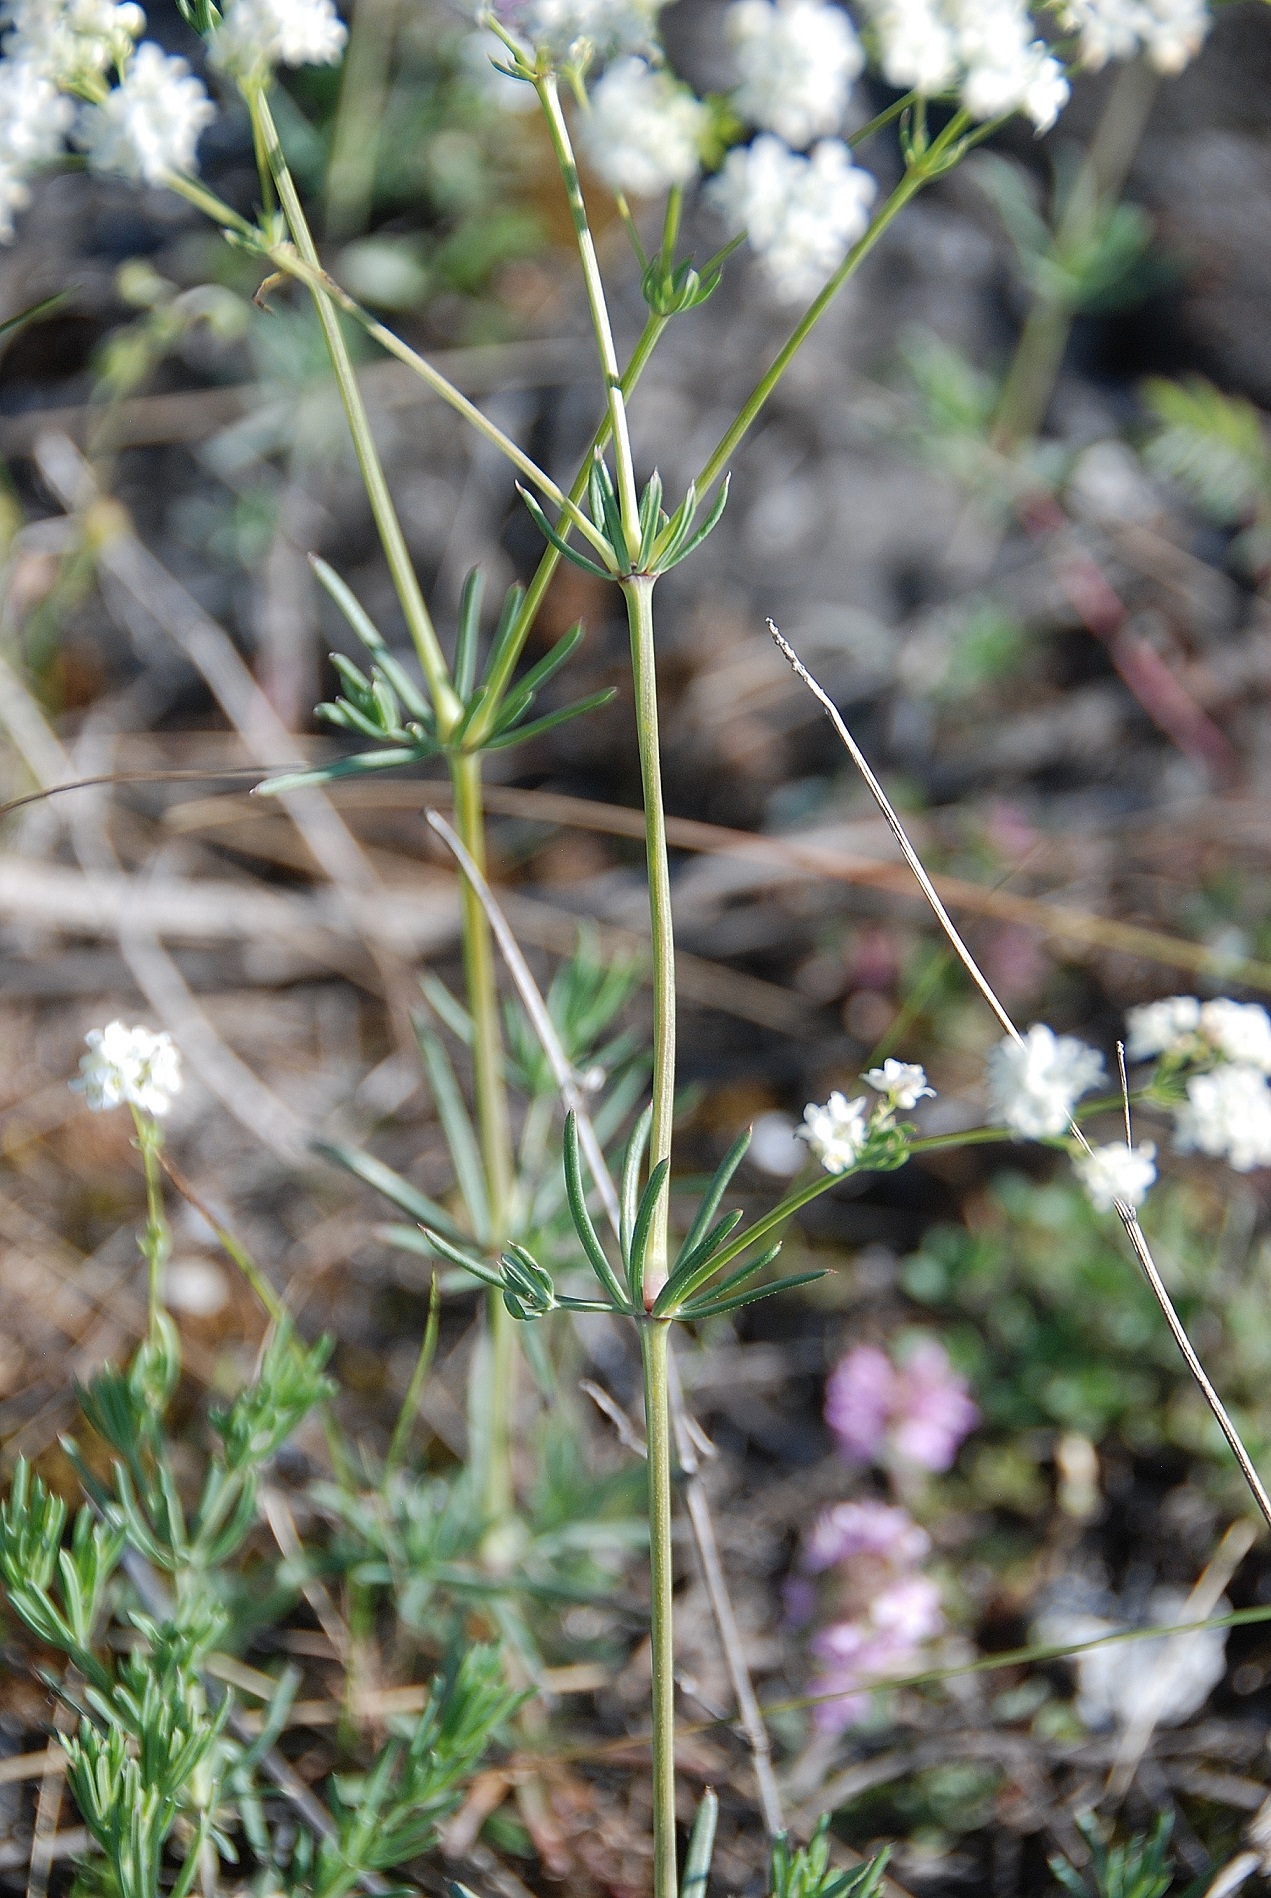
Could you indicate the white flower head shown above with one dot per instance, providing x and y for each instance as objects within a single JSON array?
[
  {"x": 1036, "y": 1082},
  {"x": 1167, "y": 1027},
  {"x": 71, "y": 41},
  {"x": 985, "y": 49},
  {"x": 34, "y": 120},
  {"x": 150, "y": 124},
  {"x": 797, "y": 61},
  {"x": 129, "y": 1066},
  {"x": 1227, "y": 1114},
  {"x": 802, "y": 215},
  {"x": 902, "y": 1084},
  {"x": 1241, "y": 1031},
  {"x": 644, "y": 131},
  {"x": 1170, "y": 32},
  {"x": 255, "y": 35},
  {"x": 578, "y": 31},
  {"x": 1117, "y": 1172},
  {"x": 838, "y": 1132}
]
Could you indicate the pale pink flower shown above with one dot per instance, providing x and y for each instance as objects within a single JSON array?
[
  {"x": 858, "y": 1401},
  {"x": 864, "y": 1528},
  {"x": 934, "y": 1411},
  {"x": 920, "y": 1412}
]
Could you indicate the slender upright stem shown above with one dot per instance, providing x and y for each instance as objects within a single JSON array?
[
  {"x": 638, "y": 591},
  {"x": 1043, "y": 340},
  {"x": 405, "y": 580},
  {"x": 550, "y": 560},
  {"x": 910, "y": 185},
  {"x": 654, "y": 1346},
  {"x": 493, "y": 1131},
  {"x": 559, "y": 132},
  {"x": 157, "y": 1242}
]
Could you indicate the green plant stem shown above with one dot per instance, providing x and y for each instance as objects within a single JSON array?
[
  {"x": 558, "y": 131},
  {"x": 545, "y": 572},
  {"x": 638, "y": 593},
  {"x": 405, "y": 580},
  {"x": 654, "y": 1348},
  {"x": 157, "y": 1243},
  {"x": 1043, "y": 340},
  {"x": 493, "y": 1130},
  {"x": 359, "y": 116},
  {"x": 918, "y": 174},
  {"x": 320, "y": 284}
]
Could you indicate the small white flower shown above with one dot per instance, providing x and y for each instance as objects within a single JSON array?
[
  {"x": 129, "y": 1066},
  {"x": 644, "y": 130},
  {"x": 797, "y": 60},
  {"x": 150, "y": 124},
  {"x": 1227, "y": 1114},
  {"x": 1239, "y": 1030},
  {"x": 904, "y": 1083},
  {"x": 802, "y": 215},
  {"x": 986, "y": 49},
  {"x": 574, "y": 30},
  {"x": 71, "y": 41},
  {"x": 1036, "y": 1082},
  {"x": 34, "y": 119},
  {"x": 837, "y": 1133},
  {"x": 255, "y": 35},
  {"x": 1167, "y": 1027},
  {"x": 1170, "y": 32},
  {"x": 1116, "y": 1173}
]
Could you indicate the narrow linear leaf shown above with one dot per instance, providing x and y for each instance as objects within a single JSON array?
[
  {"x": 726, "y": 1287},
  {"x": 549, "y": 533},
  {"x": 714, "y": 1307},
  {"x": 450, "y": 1009},
  {"x": 465, "y": 669},
  {"x": 699, "y": 1265},
  {"x": 522, "y": 695},
  {"x": 374, "y": 1172},
  {"x": 357, "y": 767},
  {"x": 457, "y": 1256},
  {"x": 550, "y": 720},
  {"x": 644, "y": 1220},
  {"x": 509, "y": 618},
  {"x": 632, "y": 1162},
  {"x": 371, "y": 637},
  {"x": 582, "y": 1218},
  {"x": 457, "y": 1127},
  {"x": 708, "y": 527},
  {"x": 721, "y": 1179}
]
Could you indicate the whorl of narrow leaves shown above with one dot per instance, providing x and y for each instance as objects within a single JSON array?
[
  {"x": 665, "y": 539},
  {"x": 391, "y": 710},
  {"x": 806, "y": 1872}
]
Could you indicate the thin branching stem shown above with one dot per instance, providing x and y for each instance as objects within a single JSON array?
[
  {"x": 1125, "y": 1212},
  {"x": 918, "y": 174},
  {"x": 558, "y": 131},
  {"x": 405, "y": 580}
]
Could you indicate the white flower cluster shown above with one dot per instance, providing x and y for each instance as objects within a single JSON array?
[
  {"x": 797, "y": 62},
  {"x": 1035, "y": 1082},
  {"x": 580, "y": 32},
  {"x": 1170, "y": 32},
  {"x": 56, "y": 58},
  {"x": 129, "y": 1067},
  {"x": 839, "y": 1132},
  {"x": 256, "y": 35},
  {"x": 1117, "y": 1172},
  {"x": 1227, "y": 1109},
  {"x": 986, "y": 50},
  {"x": 644, "y": 130},
  {"x": 801, "y": 214}
]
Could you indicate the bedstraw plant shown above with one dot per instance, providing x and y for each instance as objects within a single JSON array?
[{"x": 776, "y": 161}]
